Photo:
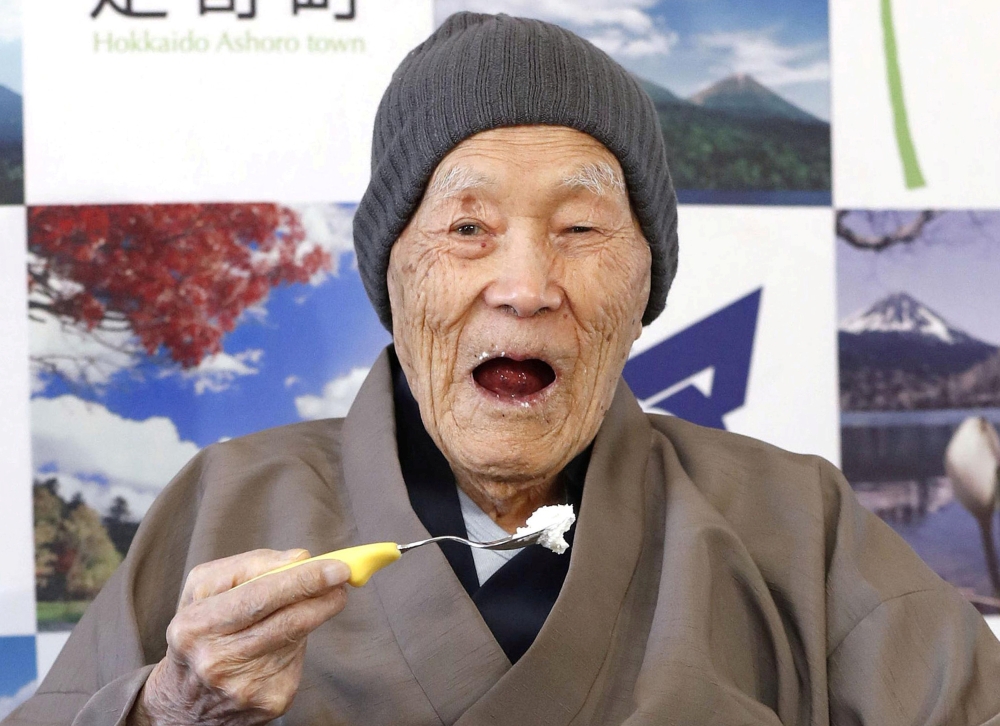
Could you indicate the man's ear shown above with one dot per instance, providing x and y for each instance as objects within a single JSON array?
[
  {"x": 647, "y": 281},
  {"x": 392, "y": 283}
]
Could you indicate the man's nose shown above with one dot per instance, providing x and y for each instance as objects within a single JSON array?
[{"x": 524, "y": 282}]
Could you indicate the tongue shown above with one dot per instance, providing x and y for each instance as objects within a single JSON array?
[{"x": 514, "y": 378}]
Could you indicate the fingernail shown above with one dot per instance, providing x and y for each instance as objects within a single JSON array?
[
  {"x": 297, "y": 554},
  {"x": 335, "y": 572}
]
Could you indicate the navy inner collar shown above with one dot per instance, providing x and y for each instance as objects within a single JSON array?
[{"x": 517, "y": 599}]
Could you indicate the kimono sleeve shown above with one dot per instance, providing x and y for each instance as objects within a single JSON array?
[
  {"x": 105, "y": 662},
  {"x": 904, "y": 647}
]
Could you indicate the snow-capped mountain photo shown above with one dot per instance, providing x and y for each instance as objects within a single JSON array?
[
  {"x": 901, "y": 313},
  {"x": 901, "y": 333},
  {"x": 900, "y": 354},
  {"x": 917, "y": 326}
]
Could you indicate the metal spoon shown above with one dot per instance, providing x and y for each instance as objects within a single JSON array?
[
  {"x": 512, "y": 542},
  {"x": 368, "y": 559}
]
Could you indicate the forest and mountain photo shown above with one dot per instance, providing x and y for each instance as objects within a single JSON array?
[
  {"x": 741, "y": 89},
  {"x": 739, "y": 136}
]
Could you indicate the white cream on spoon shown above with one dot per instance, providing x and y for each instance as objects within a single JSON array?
[{"x": 553, "y": 522}]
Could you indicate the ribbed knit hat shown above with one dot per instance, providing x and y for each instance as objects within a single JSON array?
[{"x": 480, "y": 72}]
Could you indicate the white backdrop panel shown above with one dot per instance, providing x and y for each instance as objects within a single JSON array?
[
  {"x": 219, "y": 125},
  {"x": 787, "y": 253},
  {"x": 17, "y": 563},
  {"x": 951, "y": 84}
]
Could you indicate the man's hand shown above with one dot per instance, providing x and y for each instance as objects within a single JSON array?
[{"x": 234, "y": 656}]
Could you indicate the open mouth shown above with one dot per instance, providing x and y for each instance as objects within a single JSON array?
[{"x": 516, "y": 379}]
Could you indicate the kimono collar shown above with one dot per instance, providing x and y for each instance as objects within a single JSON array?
[
  {"x": 441, "y": 634},
  {"x": 517, "y": 599}
]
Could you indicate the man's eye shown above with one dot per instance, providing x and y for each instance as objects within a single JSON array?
[
  {"x": 467, "y": 230},
  {"x": 580, "y": 229}
]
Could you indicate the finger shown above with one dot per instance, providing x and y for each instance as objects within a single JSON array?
[
  {"x": 289, "y": 626},
  {"x": 235, "y": 610},
  {"x": 212, "y": 578}
]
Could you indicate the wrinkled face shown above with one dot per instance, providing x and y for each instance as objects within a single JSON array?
[{"x": 517, "y": 290}]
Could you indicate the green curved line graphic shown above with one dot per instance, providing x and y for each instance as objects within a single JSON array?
[{"x": 907, "y": 153}]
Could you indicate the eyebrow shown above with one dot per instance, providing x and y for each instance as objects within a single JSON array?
[
  {"x": 598, "y": 177},
  {"x": 456, "y": 181}
]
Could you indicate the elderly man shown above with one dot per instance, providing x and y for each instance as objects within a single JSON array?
[{"x": 518, "y": 231}]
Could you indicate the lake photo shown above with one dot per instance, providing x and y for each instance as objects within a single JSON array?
[{"x": 919, "y": 359}]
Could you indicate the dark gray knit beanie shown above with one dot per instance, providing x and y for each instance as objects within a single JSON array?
[{"x": 480, "y": 72}]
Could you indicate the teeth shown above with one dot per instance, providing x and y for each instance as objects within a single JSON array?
[{"x": 490, "y": 354}]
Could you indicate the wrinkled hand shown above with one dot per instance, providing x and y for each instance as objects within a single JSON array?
[{"x": 234, "y": 656}]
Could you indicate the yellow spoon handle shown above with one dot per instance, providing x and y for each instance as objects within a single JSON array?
[{"x": 364, "y": 561}]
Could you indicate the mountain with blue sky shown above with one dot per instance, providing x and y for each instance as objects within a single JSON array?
[
  {"x": 741, "y": 95},
  {"x": 742, "y": 89},
  {"x": 918, "y": 326},
  {"x": 688, "y": 45},
  {"x": 900, "y": 333},
  {"x": 899, "y": 354},
  {"x": 949, "y": 268}
]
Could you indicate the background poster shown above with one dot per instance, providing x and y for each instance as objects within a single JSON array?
[
  {"x": 920, "y": 382},
  {"x": 162, "y": 329},
  {"x": 11, "y": 117},
  {"x": 742, "y": 89}
]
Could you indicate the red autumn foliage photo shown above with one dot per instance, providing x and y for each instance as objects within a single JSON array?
[{"x": 178, "y": 276}]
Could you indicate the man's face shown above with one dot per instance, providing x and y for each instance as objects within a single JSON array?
[{"x": 517, "y": 290}]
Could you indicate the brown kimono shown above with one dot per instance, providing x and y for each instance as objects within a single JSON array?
[{"x": 714, "y": 580}]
